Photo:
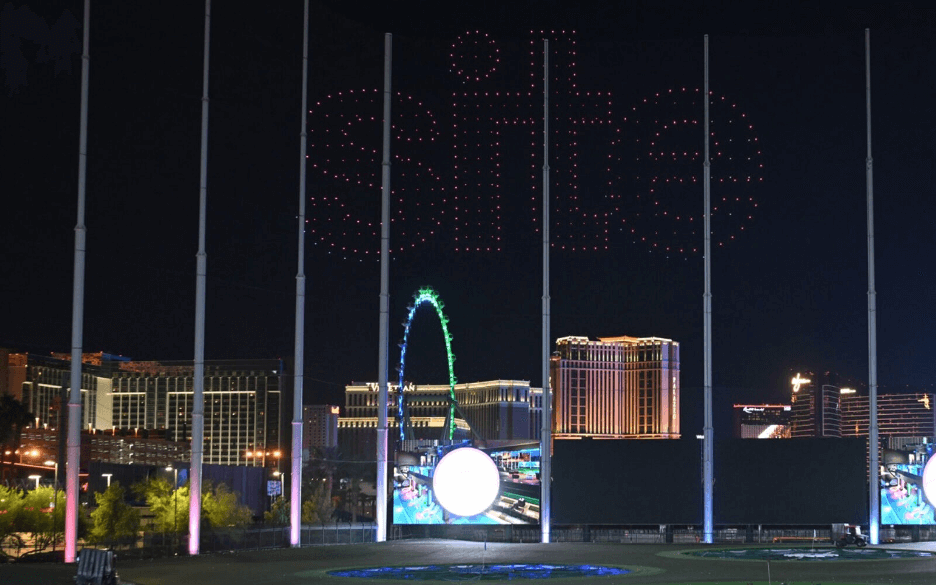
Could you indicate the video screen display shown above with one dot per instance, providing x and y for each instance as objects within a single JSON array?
[
  {"x": 633, "y": 482},
  {"x": 649, "y": 482},
  {"x": 461, "y": 484},
  {"x": 908, "y": 485}
]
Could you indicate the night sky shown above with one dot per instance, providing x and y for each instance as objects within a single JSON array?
[{"x": 789, "y": 244}]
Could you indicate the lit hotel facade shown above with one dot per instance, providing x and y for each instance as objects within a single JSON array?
[
  {"x": 615, "y": 388},
  {"x": 762, "y": 421},
  {"x": 144, "y": 399},
  {"x": 242, "y": 405},
  {"x": 489, "y": 410},
  {"x": 822, "y": 408}
]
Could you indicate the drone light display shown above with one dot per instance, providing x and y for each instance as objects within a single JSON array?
[{"x": 621, "y": 176}]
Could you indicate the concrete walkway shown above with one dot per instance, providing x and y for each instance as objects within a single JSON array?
[{"x": 650, "y": 564}]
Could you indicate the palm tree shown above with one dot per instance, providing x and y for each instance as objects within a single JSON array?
[
  {"x": 325, "y": 464},
  {"x": 13, "y": 418}
]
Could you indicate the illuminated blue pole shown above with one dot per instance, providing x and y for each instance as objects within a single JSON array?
[
  {"x": 873, "y": 442},
  {"x": 198, "y": 396},
  {"x": 295, "y": 490},
  {"x": 708, "y": 479},
  {"x": 546, "y": 434}
]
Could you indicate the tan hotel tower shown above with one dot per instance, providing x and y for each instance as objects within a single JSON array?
[{"x": 615, "y": 388}]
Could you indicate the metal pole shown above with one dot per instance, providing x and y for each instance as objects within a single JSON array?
[
  {"x": 295, "y": 494},
  {"x": 175, "y": 507},
  {"x": 546, "y": 433},
  {"x": 873, "y": 442},
  {"x": 381, "y": 505},
  {"x": 707, "y": 441},
  {"x": 198, "y": 403},
  {"x": 74, "y": 399}
]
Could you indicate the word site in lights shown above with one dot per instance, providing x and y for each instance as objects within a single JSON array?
[{"x": 459, "y": 484}]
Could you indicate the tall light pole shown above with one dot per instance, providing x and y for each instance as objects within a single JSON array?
[
  {"x": 546, "y": 429},
  {"x": 708, "y": 478},
  {"x": 73, "y": 448},
  {"x": 295, "y": 489},
  {"x": 384, "y": 350},
  {"x": 51, "y": 463},
  {"x": 198, "y": 397},
  {"x": 175, "y": 502},
  {"x": 873, "y": 442}
]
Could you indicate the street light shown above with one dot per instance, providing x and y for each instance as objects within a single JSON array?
[
  {"x": 175, "y": 501},
  {"x": 108, "y": 477},
  {"x": 51, "y": 463},
  {"x": 35, "y": 477}
]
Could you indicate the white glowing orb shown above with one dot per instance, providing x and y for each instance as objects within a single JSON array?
[
  {"x": 466, "y": 482},
  {"x": 929, "y": 480}
]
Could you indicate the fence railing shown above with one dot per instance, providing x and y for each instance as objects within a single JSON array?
[
  {"x": 345, "y": 533},
  {"x": 256, "y": 537},
  {"x": 753, "y": 534}
]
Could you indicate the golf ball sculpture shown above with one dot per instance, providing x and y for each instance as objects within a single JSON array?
[
  {"x": 929, "y": 480},
  {"x": 466, "y": 482}
]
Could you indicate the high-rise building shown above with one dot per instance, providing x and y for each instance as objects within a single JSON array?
[
  {"x": 823, "y": 406},
  {"x": 500, "y": 409},
  {"x": 900, "y": 415},
  {"x": 241, "y": 405},
  {"x": 621, "y": 387},
  {"x": 319, "y": 429},
  {"x": 762, "y": 421},
  {"x": 815, "y": 405},
  {"x": 42, "y": 383}
]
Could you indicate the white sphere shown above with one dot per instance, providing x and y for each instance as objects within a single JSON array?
[
  {"x": 466, "y": 482},
  {"x": 929, "y": 480}
]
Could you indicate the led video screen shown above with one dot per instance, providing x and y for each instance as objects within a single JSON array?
[
  {"x": 648, "y": 482},
  {"x": 460, "y": 484},
  {"x": 800, "y": 481},
  {"x": 908, "y": 485},
  {"x": 616, "y": 482}
]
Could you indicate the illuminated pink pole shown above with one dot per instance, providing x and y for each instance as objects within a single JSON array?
[
  {"x": 74, "y": 397},
  {"x": 295, "y": 491},
  {"x": 198, "y": 402}
]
